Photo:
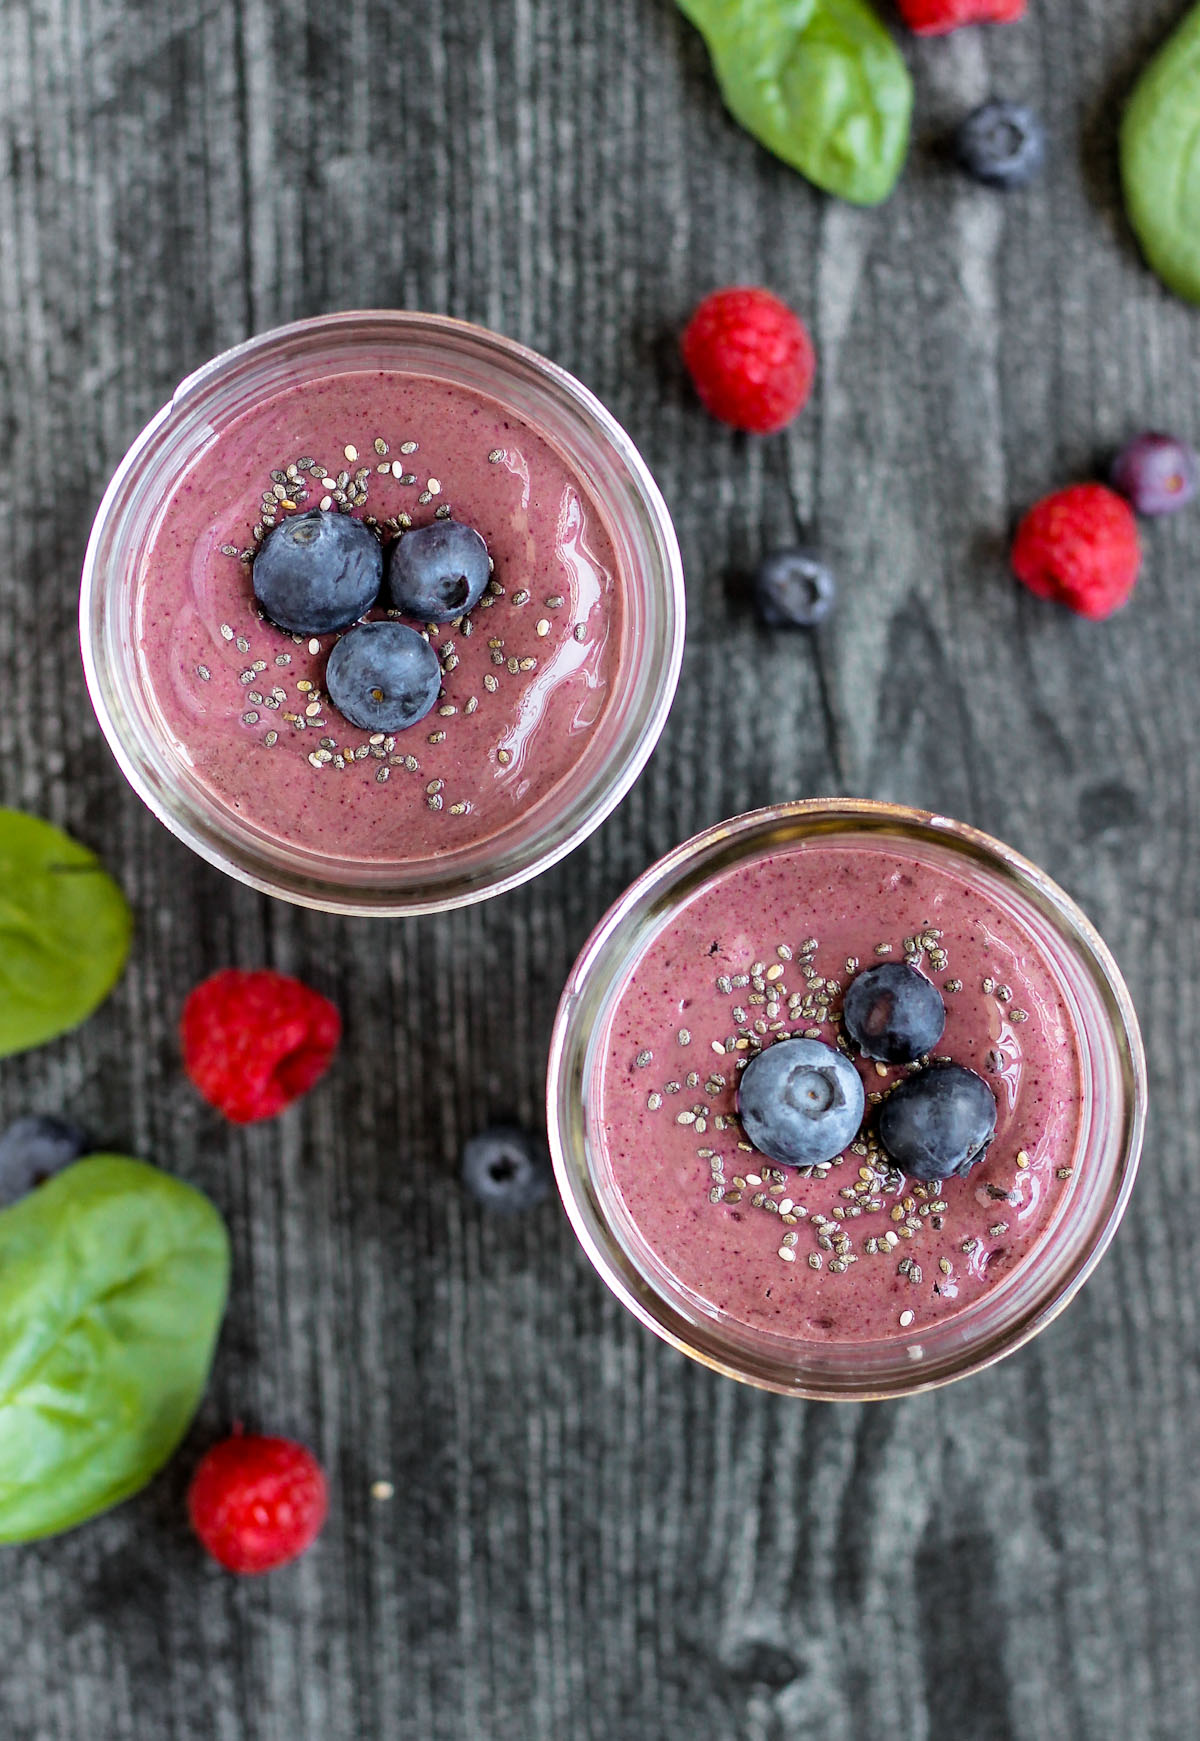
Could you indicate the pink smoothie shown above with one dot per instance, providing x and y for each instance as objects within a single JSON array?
[
  {"x": 527, "y": 675},
  {"x": 850, "y": 1251}
]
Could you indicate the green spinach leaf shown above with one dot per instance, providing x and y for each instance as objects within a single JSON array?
[
  {"x": 64, "y": 932},
  {"x": 1160, "y": 160},
  {"x": 818, "y": 82},
  {"x": 113, "y": 1279}
]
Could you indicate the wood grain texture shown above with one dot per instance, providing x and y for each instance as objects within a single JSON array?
[{"x": 592, "y": 1539}]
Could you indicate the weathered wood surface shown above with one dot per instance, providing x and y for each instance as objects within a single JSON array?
[{"x": 591, "y": 1538}]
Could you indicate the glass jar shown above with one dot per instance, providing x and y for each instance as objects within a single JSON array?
[
  {"x": 1112, "y": 1103},
  {"x": 593, "y": 447}
]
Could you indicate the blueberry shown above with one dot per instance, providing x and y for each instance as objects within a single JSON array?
[
  {"x": 383, "y": 676},
  {"x": 937, "y": 1124},
  {"x": 438, "y": 571},
  {"x": 33, "y": 1150},
  {"x": 506, "y": 1169},
  {"x": 1002, "y": 144},
  {"x": 317, "y": 572},
  {"x": 794, "y": 589},
  {"x": 1156, "y": 472},
  {"x": 800, "y": 1102},
  {"x": 893, "y": 1013}
]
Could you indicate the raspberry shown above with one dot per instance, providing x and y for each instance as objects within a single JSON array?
[
  {"x": 254, "y": 1042},
  {"x": 1079, "y": 546},
  {"x": 750, "y": 358},
  {"x": 256, "y": 1502},
  {"x": 936, "y": 17}
]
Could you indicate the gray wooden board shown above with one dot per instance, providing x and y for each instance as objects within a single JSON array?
[{"x": 591, "y": 1537}]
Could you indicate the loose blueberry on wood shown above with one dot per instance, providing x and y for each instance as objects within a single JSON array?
[
  {"x": 1001, "y": 144},
  {"x": 318, "y": 572},
  {"x": 938, "y": 1123},
  {"x": 800, "y": 1102},
  {"x": 893, "y": 1013},
  {"x": 506, "y": 1169},
  {"x": 437, "y": 572},
  {"x": 33, "y": 1149},
  {"x": 1156, "y": 473},
  {"x": 794, "y": 589},
  {"x": 383, "y": 676}
]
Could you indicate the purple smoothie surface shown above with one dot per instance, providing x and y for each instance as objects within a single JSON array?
[
  {"x": 526, "y": 676},
  {"x": 852, "y": 1251}
]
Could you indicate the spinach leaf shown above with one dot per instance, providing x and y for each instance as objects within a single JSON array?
[
  {"x": 818, "y": 82},
  {"x": 64, "y": 932},
  {"x": 113, "y": 1279},
  {"x": 1160, "y": 160}
]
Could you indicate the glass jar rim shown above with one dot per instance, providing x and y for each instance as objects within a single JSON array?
[
  {"x": 787, "y": 1365},
  {"x": 649, "y": 565}
]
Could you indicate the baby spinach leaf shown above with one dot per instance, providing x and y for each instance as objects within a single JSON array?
[
  {"x": 818, "y": 82},
  {"x": 113, "y": 1279},
  {"x": 1160, "y": 160},
  {"x": 64, "y": 932}
]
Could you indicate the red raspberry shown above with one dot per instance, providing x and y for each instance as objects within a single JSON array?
[
  {"x": 1080, "y": 546},
  {"x": 257, "y": 1503},
  {"x": 750, "y": 358},
  {"x": 254, "y": 1042},
  {"x": 937, "y": 17}
]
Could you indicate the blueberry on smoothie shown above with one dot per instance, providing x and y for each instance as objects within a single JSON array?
[
  {"x": 893, "y": 1013},
  {"x": 33, "y": 1150},
  {"x": 794, "y": 589},
  {"x": 938, "y": 1123},
  {"x": 383, "y": 676},
  {"x": 506, "y": 1169},
  {"x": 437, "y": 572},
  {"x": 800, "y": 1102},
  {"x": 317, "y": 572},
  {"x": 1001, "y": 144}
]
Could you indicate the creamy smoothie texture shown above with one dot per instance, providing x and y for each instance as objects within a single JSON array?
[
  {"x": 526, "y": 676},
  {"x": 850, "y": 1250}
]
